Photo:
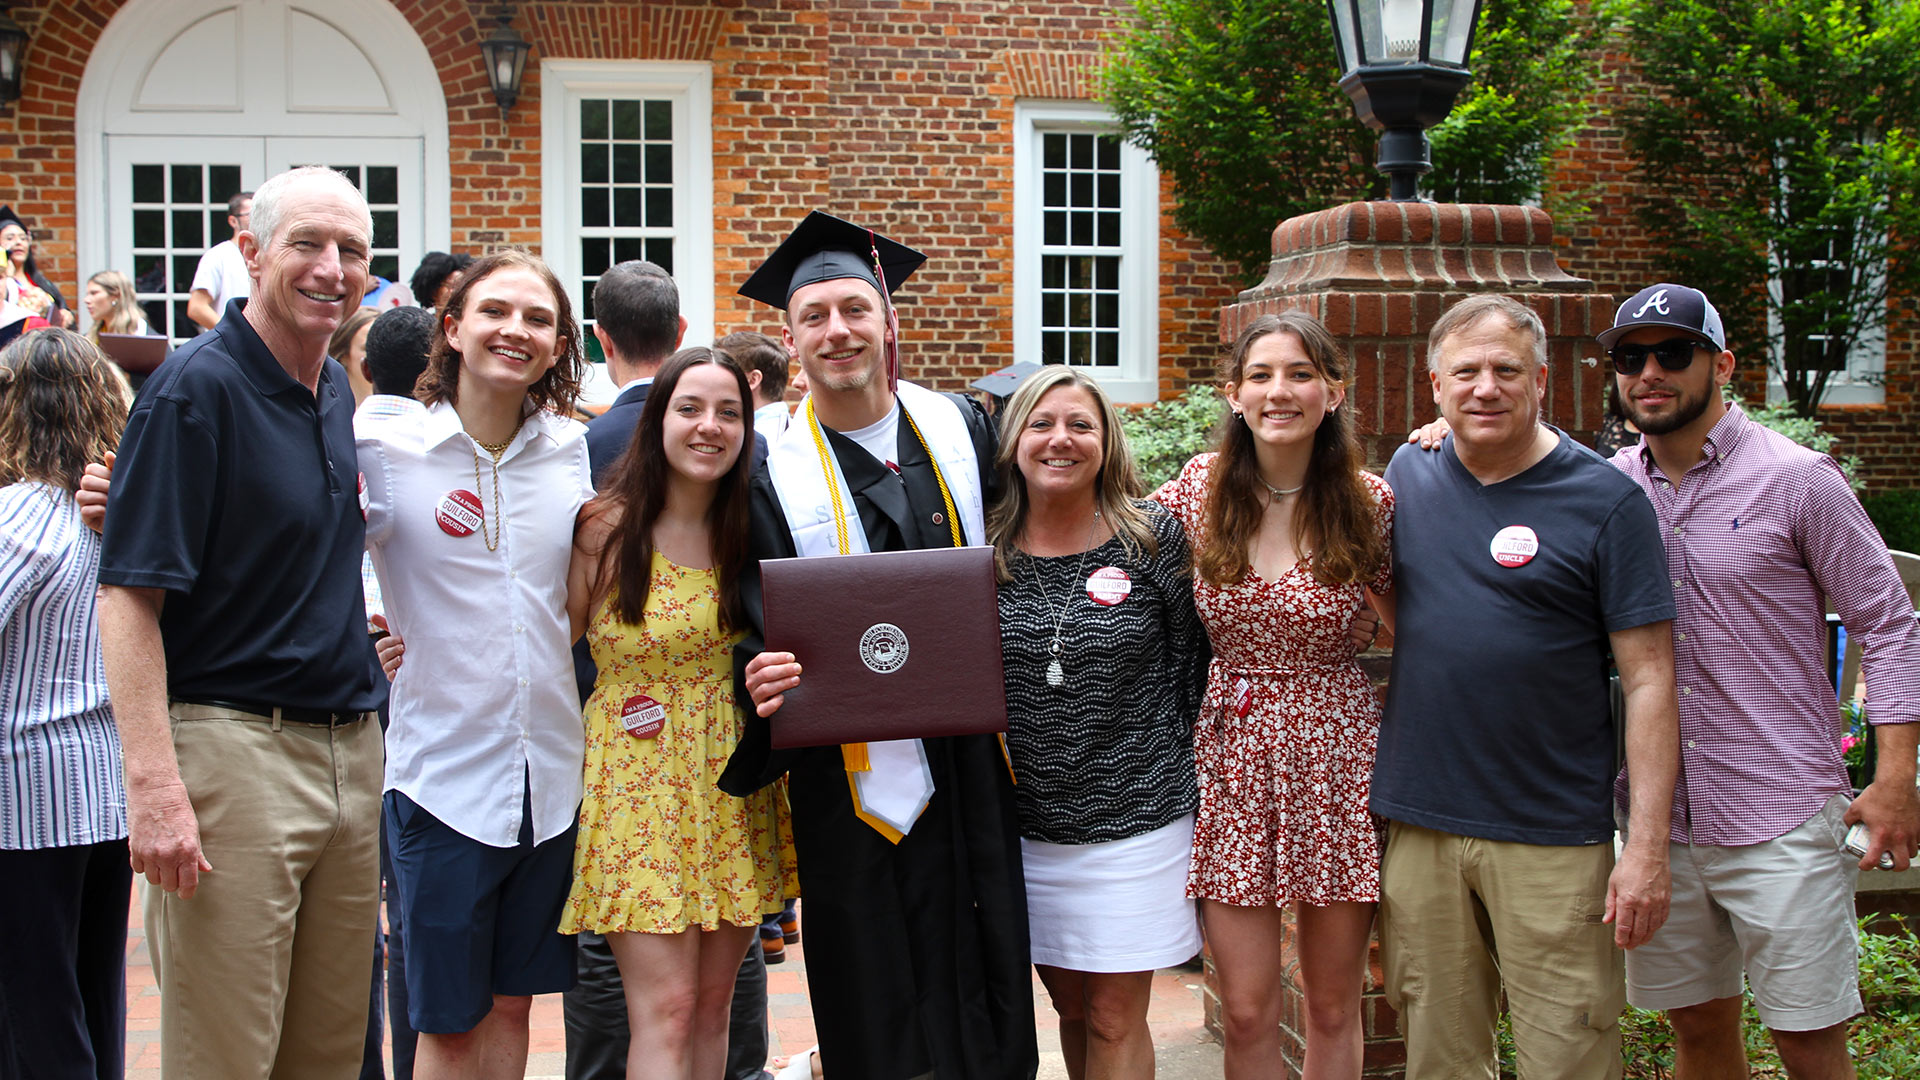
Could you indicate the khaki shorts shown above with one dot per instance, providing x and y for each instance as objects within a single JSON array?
[{"x": 1782, "y": 910}]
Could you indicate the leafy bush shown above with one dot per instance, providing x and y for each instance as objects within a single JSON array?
[
  {"x": 1164, "y": 435},
  {"x": 1897, "y": 513},
  {"x": 1806, "y": 431}
]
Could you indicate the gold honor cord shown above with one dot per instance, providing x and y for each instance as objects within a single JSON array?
[{"x": 854, "y": 755}]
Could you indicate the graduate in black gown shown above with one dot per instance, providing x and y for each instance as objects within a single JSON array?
[{"x": 917, "y": 950}]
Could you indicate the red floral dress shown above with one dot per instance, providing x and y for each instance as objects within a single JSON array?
[{"x": 1287, "y": 731}]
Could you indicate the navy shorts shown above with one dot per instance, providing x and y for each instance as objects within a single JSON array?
[{"x": 480, "y": 920}]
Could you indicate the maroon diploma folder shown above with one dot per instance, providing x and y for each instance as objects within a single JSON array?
[{"x": 892, "y": 645}]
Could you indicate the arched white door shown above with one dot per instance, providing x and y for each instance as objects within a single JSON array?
[{"x": 185, "y": 102}]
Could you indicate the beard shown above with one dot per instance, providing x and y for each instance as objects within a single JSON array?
[{"x": 1685, "y": 409}]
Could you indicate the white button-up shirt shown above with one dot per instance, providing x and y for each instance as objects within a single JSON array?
[{"x": 485, "y": 705}]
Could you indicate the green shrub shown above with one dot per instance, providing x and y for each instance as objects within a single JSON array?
[
  {"x": 1897, "y": 513},
  {"x": 1164, "y": 435}
]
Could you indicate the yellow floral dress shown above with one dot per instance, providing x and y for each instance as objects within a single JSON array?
[{"x": 661, "y": 847}]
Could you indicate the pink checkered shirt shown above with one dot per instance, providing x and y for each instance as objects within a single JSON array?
[{"x": 1760, "y": 529}]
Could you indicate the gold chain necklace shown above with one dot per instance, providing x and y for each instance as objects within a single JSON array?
[{"x": 495, "y": 450}]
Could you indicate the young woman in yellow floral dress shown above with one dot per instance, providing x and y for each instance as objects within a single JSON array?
[{"x": 675, "y": 873}]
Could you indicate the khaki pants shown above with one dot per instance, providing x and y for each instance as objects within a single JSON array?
[
  {"x": 289, "y": 817},
  {"x": 1462, "y": 917}
]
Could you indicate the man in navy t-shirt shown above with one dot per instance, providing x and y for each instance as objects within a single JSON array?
[{"x": 1520, "y": 560}]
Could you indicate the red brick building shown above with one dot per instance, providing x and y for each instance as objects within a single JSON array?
[{"x": 695, "y": 132}]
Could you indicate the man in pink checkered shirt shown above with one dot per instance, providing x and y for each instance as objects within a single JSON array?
[{"x": 1758, "y": 531}]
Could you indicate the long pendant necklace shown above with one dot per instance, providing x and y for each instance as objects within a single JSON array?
[
  {"x": 1056, "y": 671},
  {"x": 495, "y": 450}
]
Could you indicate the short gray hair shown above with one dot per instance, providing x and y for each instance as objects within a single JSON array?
[
  {"x": 1467, "y": 312},
  {"x": 266, "y": 201}
]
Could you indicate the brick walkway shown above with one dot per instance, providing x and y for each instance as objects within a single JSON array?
[{"x": 1179, "y": 1033}]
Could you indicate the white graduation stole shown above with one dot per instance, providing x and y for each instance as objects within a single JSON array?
[{"x": 891, "y": 782}]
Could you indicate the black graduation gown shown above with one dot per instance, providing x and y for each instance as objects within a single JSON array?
[{"x": 917, "y": 953}]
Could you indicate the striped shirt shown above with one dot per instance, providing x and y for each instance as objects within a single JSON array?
[
  {"x": 1759, "y": 530},
  {"x": 60, "y": 780}
]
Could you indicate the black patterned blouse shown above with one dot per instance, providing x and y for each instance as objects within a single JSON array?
[{"x": 1108, "y": 754}]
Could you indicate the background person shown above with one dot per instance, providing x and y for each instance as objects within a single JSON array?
[
  {"x": 1105, "y": 663},
  {"x": 348, "y": 345},
  {"x": 674, "y": 872},
  {"x": 112, "y": 307},
  {"x": 25, "y": 286},
  {"x": 1292, "y": 536},
  {"x": 766, "y": 362},
  {"x": 436, "y": 277},
  {"x": 63, "y": 822},
  {"x": 221, "y": 275}
]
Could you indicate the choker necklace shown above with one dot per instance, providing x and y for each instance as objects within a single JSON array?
[
  {"x": 1279, "y": 493},
  {"x": 1056, "y": 673}
]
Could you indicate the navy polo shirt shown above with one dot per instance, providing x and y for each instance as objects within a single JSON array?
[{"x": 236, "y": 490}]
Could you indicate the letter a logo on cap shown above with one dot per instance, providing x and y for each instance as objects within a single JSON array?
[{"x": 1658, "y": 302}]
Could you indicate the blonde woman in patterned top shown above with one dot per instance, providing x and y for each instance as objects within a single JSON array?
[{"x": 674, "y": 872}]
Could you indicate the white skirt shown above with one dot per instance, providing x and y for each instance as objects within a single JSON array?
[{"x": 1119, "y": 905}]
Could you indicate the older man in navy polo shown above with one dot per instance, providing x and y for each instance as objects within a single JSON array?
[{"x": 237, "y": 657}]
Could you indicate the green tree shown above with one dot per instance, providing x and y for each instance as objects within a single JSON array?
[
  {"x": 1238, "y": 103},
  {"x": 1778, "y": 138}
]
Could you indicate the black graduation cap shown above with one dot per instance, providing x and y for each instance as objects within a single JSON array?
[
  {"x": 1004, "y": 382},
  {"x": 825, "y": 248},
  {"x": 7, "y": 215}
]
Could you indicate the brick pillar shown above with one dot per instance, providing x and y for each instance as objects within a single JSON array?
[{"x": 1379, "y": 274}]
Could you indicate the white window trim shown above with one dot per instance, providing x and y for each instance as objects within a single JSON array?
[
  {"x": 1138, "y": 377},
  {"x": 689, "y": 86}
]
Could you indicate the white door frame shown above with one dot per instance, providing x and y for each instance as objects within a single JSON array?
[{"x": 138, "y": 34}]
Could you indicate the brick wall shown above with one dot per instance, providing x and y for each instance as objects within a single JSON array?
[{"x": 897, "y": 112}]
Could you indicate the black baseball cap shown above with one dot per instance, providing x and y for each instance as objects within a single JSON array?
[
  {"x": 1668, "y": 305},
  {"x": 825, "y": 248}
]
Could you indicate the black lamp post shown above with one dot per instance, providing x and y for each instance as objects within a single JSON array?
[
  {"x": 13, "y": 51},
  {"x": 1403, "y": 62},
  {"x": 505, "y": 54}
]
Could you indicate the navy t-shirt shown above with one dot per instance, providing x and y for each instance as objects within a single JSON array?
[
  {"x": 1497, "y": 722},
  {"x": 236, "y": 490}
]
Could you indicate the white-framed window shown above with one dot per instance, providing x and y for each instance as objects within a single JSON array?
[
  {"x": 627, "y": 173},
  {"x": 1858, "y": 370},
  {"x": 1086, "y": 228}
]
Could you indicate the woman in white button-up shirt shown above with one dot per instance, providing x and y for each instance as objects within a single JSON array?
[{"x": 470, "y": 510}]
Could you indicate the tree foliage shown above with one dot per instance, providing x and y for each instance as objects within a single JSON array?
[
  {"x": 1778, "y": 137},
  {"x": 1238, "y": 103}
]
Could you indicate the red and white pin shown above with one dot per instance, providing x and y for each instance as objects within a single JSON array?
[
  {"x": 365, "y": 499},
  {"x": 459, "y": 513},
  {"x": 1515, "y": 545},
  {"x": 1108, "y": 586},
  {"x": 643, "y": 717},
  {"x": 1242, "y": 696}
]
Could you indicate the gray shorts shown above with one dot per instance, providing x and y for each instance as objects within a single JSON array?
[{"x": 1781, "y": 910}]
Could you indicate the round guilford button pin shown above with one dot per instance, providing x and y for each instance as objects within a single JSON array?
[
  {"x": 459, "y": 513},
  {"x": 1515, "y": 545}
]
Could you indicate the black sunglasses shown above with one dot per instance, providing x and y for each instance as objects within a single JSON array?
[{"x": 1675, "y": 354}]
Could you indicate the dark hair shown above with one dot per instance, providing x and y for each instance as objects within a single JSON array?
[
  {"x": 638, "y": 305},
  {"x": 397, "y": 349},
  {"x": 234, "y": 204},
  {"x": 342, "y": 340},
  {"x": 554, "y": 390},
  {"x": 636, "y": 485},
  {"x": 62, "y": 407},
  {"x": 1335, "y": 516},
  {"x": 434, "y": 269},
  {"x": 762, "y": 353},
  {"x": 32, "y": 266}
]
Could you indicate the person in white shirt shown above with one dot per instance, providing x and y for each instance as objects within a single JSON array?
[
  {"x": 766, "y": 362},
  {"x": 470, "y": 510},
  {"x": 222, "y": 273}
]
